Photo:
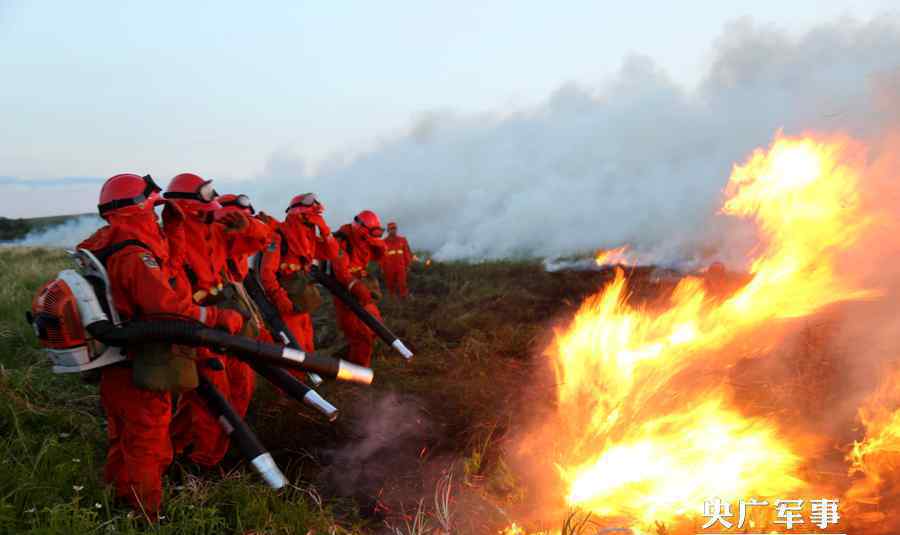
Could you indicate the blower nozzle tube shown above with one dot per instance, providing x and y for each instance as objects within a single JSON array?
[
  {"x": 241, "y": 434},
  {"x": 296, "y": 389}
]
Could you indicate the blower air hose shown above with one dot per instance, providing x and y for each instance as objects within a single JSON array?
[{"x": 194, "y": 334}]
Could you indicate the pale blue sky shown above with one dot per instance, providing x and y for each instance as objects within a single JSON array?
[{"x": 91, "y": 88}]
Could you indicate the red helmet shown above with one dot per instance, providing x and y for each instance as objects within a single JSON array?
[
  {"x": 368, "y": 224},
  {"x": 193, "y": 193},
  {"x": 305, "y": 203},
  {"x": 235, "y": 203},
  {"x": 128, "y": 194}
]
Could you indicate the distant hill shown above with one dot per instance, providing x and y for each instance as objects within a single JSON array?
[{"x": 14, "y": 229}]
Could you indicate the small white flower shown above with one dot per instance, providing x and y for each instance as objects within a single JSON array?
[
  {"x": 77, "y": 488},
  {"x": 33, "y": 509},
  {"x": 64, "y": 435},
  {"x": 162, "y": 517},
  {"x": 76, "y": 460},
  {"x": 98, "y": 505}
]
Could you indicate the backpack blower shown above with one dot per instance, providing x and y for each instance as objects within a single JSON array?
[{"x": 77, "y": 324}]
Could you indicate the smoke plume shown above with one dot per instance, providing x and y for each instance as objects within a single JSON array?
[
  {"x": 68, "y": 234},
  {"x": 638, "y": 160},
  {"x": 386, "y": 442}
]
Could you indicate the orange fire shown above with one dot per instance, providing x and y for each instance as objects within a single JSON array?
[
  {"x": 613, "y": 257},
  {"x": 877, "y": 456},
  {"x": 650, "y": 428}
]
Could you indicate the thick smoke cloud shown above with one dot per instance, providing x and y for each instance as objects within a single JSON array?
[
  {"x": 639, "y": 160},
  {"x": 68, "y": 234}
]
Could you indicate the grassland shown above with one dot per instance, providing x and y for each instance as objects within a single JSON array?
[{"x": 431, "y": 428}]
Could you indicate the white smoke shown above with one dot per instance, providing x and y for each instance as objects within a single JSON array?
[
  {"x": 67, "y": 234},
  {"x": 639, "y": 160}
]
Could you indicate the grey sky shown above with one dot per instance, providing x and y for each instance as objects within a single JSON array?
[{"x": 94, "y": 88}]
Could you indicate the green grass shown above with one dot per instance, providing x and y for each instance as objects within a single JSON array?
[{"x": 478, "y": 330}]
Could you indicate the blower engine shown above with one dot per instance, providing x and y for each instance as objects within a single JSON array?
[{"x": 64, "y": 308}]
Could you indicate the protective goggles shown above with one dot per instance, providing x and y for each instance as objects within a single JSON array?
[
  {"x": 150, "y": 188},
  {"x": 205, "y": 193},
  {"x": 308, "y": 200},
  {"x": 241, "y": 201},
  {"x": 375, "y": 232}
]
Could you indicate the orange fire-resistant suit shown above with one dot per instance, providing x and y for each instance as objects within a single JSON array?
[
  {"x": 293, "y": 249},
  {"x": 141, "y": 280},
  {"x": 395, "y": 264},
  {"x": 350, "y": 267},
  {"x": 204, "y": 252}
]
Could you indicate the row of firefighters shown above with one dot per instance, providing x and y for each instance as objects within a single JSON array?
[{"x": 185, "y": 266}]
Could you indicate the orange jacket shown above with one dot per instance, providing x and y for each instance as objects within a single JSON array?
[
  {"x": 204, "y": 250},
  {"x": 293, "y": 247},
  {"x": 245, "y": 244},
  {"x": 397, "y": 254},
  {"x": 354, "y": 256},
  {"x": 143, "y": 281}
]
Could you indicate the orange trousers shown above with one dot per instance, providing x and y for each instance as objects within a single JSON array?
[
  {"x": 360, "y": 338},
  {"x": 395, "y": 280},
  {"x": 139, "y": 446},
  {"x": 195, "y": 425},
  {"x": 301, "y": 327}
]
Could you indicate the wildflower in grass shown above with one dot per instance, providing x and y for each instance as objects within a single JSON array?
[
  {"x": 33, "y": 509},
  {"x": 76, "y": 460},
  {"x": 64, "y": 435},
  {"x": 77, "y": 488},
  {"x": 98, "y": 505}
]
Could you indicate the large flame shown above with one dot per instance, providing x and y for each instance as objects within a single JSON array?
[
  {"x": 613, "y": 257},
  {"x": 651, "y": 430}
]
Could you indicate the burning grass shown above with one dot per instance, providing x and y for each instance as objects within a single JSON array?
[{"x": 648, "y": 427}]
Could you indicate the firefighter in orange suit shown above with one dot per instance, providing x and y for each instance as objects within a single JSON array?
[
  {"x": 303, "y": 238},
  {"x": 360, "y": 243},
  {"x": 137, "y": 257},
  {"x": 396, "y": 261},
  {"x": 239, "y": 247},
  {"x": 209, "y": 241}
]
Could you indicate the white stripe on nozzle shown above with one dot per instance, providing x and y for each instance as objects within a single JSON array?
[
  {"x": 404, "y": 351},
  {"x": 315, "y": 378},
  {"x": 293, "y": 354}
]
